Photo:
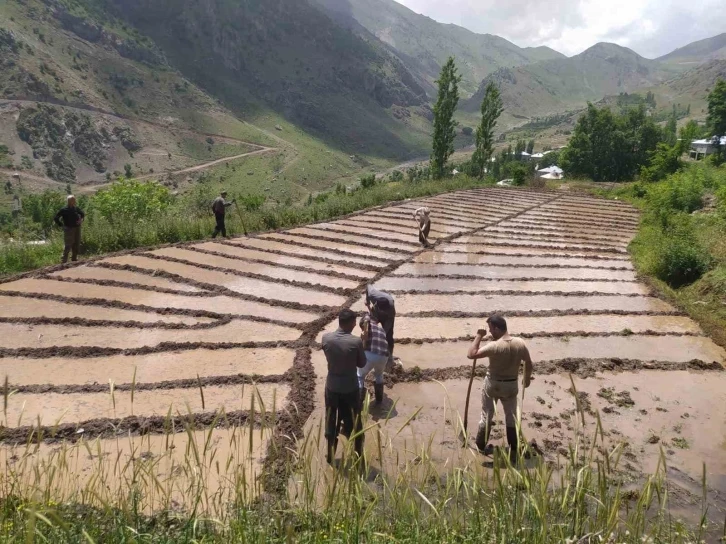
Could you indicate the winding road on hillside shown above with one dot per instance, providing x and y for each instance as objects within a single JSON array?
[{"x": 148, "y": 341}]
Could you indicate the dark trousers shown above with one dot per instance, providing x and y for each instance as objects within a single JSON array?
[
  {"x": 387, "y": 323},
  {"x": 342, "y": 416},
  {"x": 72, "y": 243},
  {"x": 423, "y": 233},
  {"x": 220, "y": 225}
]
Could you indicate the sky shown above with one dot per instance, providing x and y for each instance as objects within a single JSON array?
[{"x": 650, "y": 27}]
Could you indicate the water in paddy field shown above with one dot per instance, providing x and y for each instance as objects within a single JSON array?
[{"x": 237, "y": 324}]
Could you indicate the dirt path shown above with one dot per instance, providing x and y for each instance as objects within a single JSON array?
[{"x": 223, "y": 314}]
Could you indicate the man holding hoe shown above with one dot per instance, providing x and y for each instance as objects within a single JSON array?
[
  {"x": 506, "y": 353},
  {"x": 219, "y": 207},
  {"x": 423, "y": 217}
]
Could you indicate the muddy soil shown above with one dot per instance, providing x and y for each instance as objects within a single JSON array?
[
  {"x": 151, "y": 368},
  {"x": 124, "y": 276},
  {"x": 353, "y": 249},
  {"x": 496, "y": 272},
  {"x": 443, "y": 257},
  {"x": 280, "y": 260}
]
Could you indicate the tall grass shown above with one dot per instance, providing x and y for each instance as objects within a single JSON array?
[
  {"x": 182, "y": 223},
  {"x": 198, "y": 485}
]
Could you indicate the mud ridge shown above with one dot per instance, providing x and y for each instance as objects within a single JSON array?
[
  {"x": 524, "y": 265},
  {"x": 134, "y": 425},
  {"x": 325, "y": 260},
  {"x": 251, "y": 275},
  {"x": 482, "y": 278},
  {"x": 582, "y": 368},
  {"x": 545, "y": 313},
  {"x": 341, "y": 228},
  {"x": 207, "y": 381},
  {"x": 574, "y": 219},
  {"x": 83, "y": 322},
  {"x": 321, "y": 237},
  {"x": 555, "y": 240},
  {"x": 562, "y": 255},
  {"x": 485, "y": 210},
  {"x": 87, "y": 352},
  {"x": 475, "y": 201},
  {"x": 217, "y": 290},
  {"x": 506, "y": 292},
  {"x": 380, "y": 218},
  {"x": 567, "y": 209},
  {"x": 126, "y": 285},
  {"x": 564, "y": 235},
  {"x": 179, "y": 312},
  {"x": 329, "y": 273},
  {"x": 386, "y": 227},
  {"x": 534, "y": 226},
  {"x": 549, "y": 334},
  {"x": 342, "y": 253},
  {"x": 582, "y": 249}
]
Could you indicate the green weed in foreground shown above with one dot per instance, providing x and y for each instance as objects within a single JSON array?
[
  {"x": 195, "y": 486},
  {"x": 180, "y": 221}
]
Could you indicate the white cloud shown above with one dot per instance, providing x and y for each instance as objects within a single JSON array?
[{"x": 650, "y": 27}]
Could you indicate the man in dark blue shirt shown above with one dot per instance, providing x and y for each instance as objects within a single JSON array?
[
  {"x": 70, "y": 218},
  {"x": 345, "y": 355}
]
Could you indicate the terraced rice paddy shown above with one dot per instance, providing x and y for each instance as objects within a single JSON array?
[{"x": 151, "y": 346}]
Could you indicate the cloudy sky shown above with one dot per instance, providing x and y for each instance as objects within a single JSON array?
[{"x": 650, "y": 27}]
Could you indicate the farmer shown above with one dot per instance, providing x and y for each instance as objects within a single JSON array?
[
  {"x": 345, "y": 355},
  {"x": 505, "y": 353},
  {"x": 376, "y": 350},
  {"x": 384, "y": 307},
  {"x": 422, "y": 215},
  {"x": 70, "y": 218},
  {"x": 219, "y": 207}
]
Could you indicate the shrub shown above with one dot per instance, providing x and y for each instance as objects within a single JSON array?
[
  {"x": 130, "y": 200},
  {"x": 367, "y": 181},
  {"x": 252, "y": 202},
  {"x": 679, "y": 258},
  {"x": 396, "y": 176},
  {"x": 519, "y": 175},
  {"x": 467, "y": 131}
]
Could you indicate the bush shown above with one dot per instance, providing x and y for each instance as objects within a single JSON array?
[
  {"x": 130, "y": 200},
  {"x": 367, "y": 181},
  {"x": 252, "y": 202},
  {"x": 679, "y": 193},
  {"x": 396, "y": 176},
  {"x": 467, "y": 131},
  {"x": 519, "y": 175},
  {"x": 679, "y": 258}
]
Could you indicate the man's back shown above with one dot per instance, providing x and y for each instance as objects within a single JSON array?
[
  {"x": 345, "y": 355},
  {"x": 505, "y": 355},
  {"x": 218, "y": 205}
]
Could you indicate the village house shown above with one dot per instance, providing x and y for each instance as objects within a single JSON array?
[{"x": 708, "y": 146}]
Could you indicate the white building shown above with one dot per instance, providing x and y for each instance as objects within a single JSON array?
[
  {"x": 551, "y": 172},
  {"x": 703, "y": 148}
]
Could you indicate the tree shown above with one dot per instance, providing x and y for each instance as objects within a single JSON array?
[
  {"x": 530, "y": 146},
  {"x": 670, "y": 132},
  {"x": 687, "y": 134},
  {"x": 717, "y": 109},
  {"x": 444, "y": 124},
  {"x": 127, "y": 169},
  {"x": 519, "y": 149},
  {"x": 609, "y": 147},
  {"x": 717, "y": 115},
  {"x": 128, "y": 199},
  {"x": 491, "y": 109}
]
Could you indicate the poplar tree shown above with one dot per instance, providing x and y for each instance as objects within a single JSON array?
[
  {"x": 491, "y": 109},
  {"x": 444, "y": 124}
]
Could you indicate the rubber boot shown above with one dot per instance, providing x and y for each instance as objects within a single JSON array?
[
  {"x": 482, "y": 440},
  {"x": 513, "y": 441},
  {"x": 378, "y": 389},
  {"x": 332, "y": 446}
]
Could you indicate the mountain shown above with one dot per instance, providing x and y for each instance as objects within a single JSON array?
[
  {"x": 698, "y": 52},
  {"x": 424, "y": 45},
  {"x": 557, "y": 85}
]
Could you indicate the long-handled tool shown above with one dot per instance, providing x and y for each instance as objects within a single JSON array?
[
  {"x": 464, "y": 436},
  {"x": 240, "y": 217}
]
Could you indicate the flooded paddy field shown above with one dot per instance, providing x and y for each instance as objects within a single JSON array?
[{"x": 142, "y": 356}]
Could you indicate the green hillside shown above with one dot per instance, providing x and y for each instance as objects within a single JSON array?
[
  {"x": 424, "y": 44},
  {"x": 555, "y": 86}
]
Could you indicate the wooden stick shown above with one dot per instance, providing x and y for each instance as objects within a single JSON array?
[
  {"x": 466, "y": 405},
  {"x": 240, "y": 217}
]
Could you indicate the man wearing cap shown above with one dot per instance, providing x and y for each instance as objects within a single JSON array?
[
  {"x": 70, "y": 218},
  {"x": 423, "y": 216},
  {"x": 505, "y": 353},
  {"x": 345, "y": 355},
  {"x": 384, "y": 307},
  {"x": 219, "y": 207}
]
